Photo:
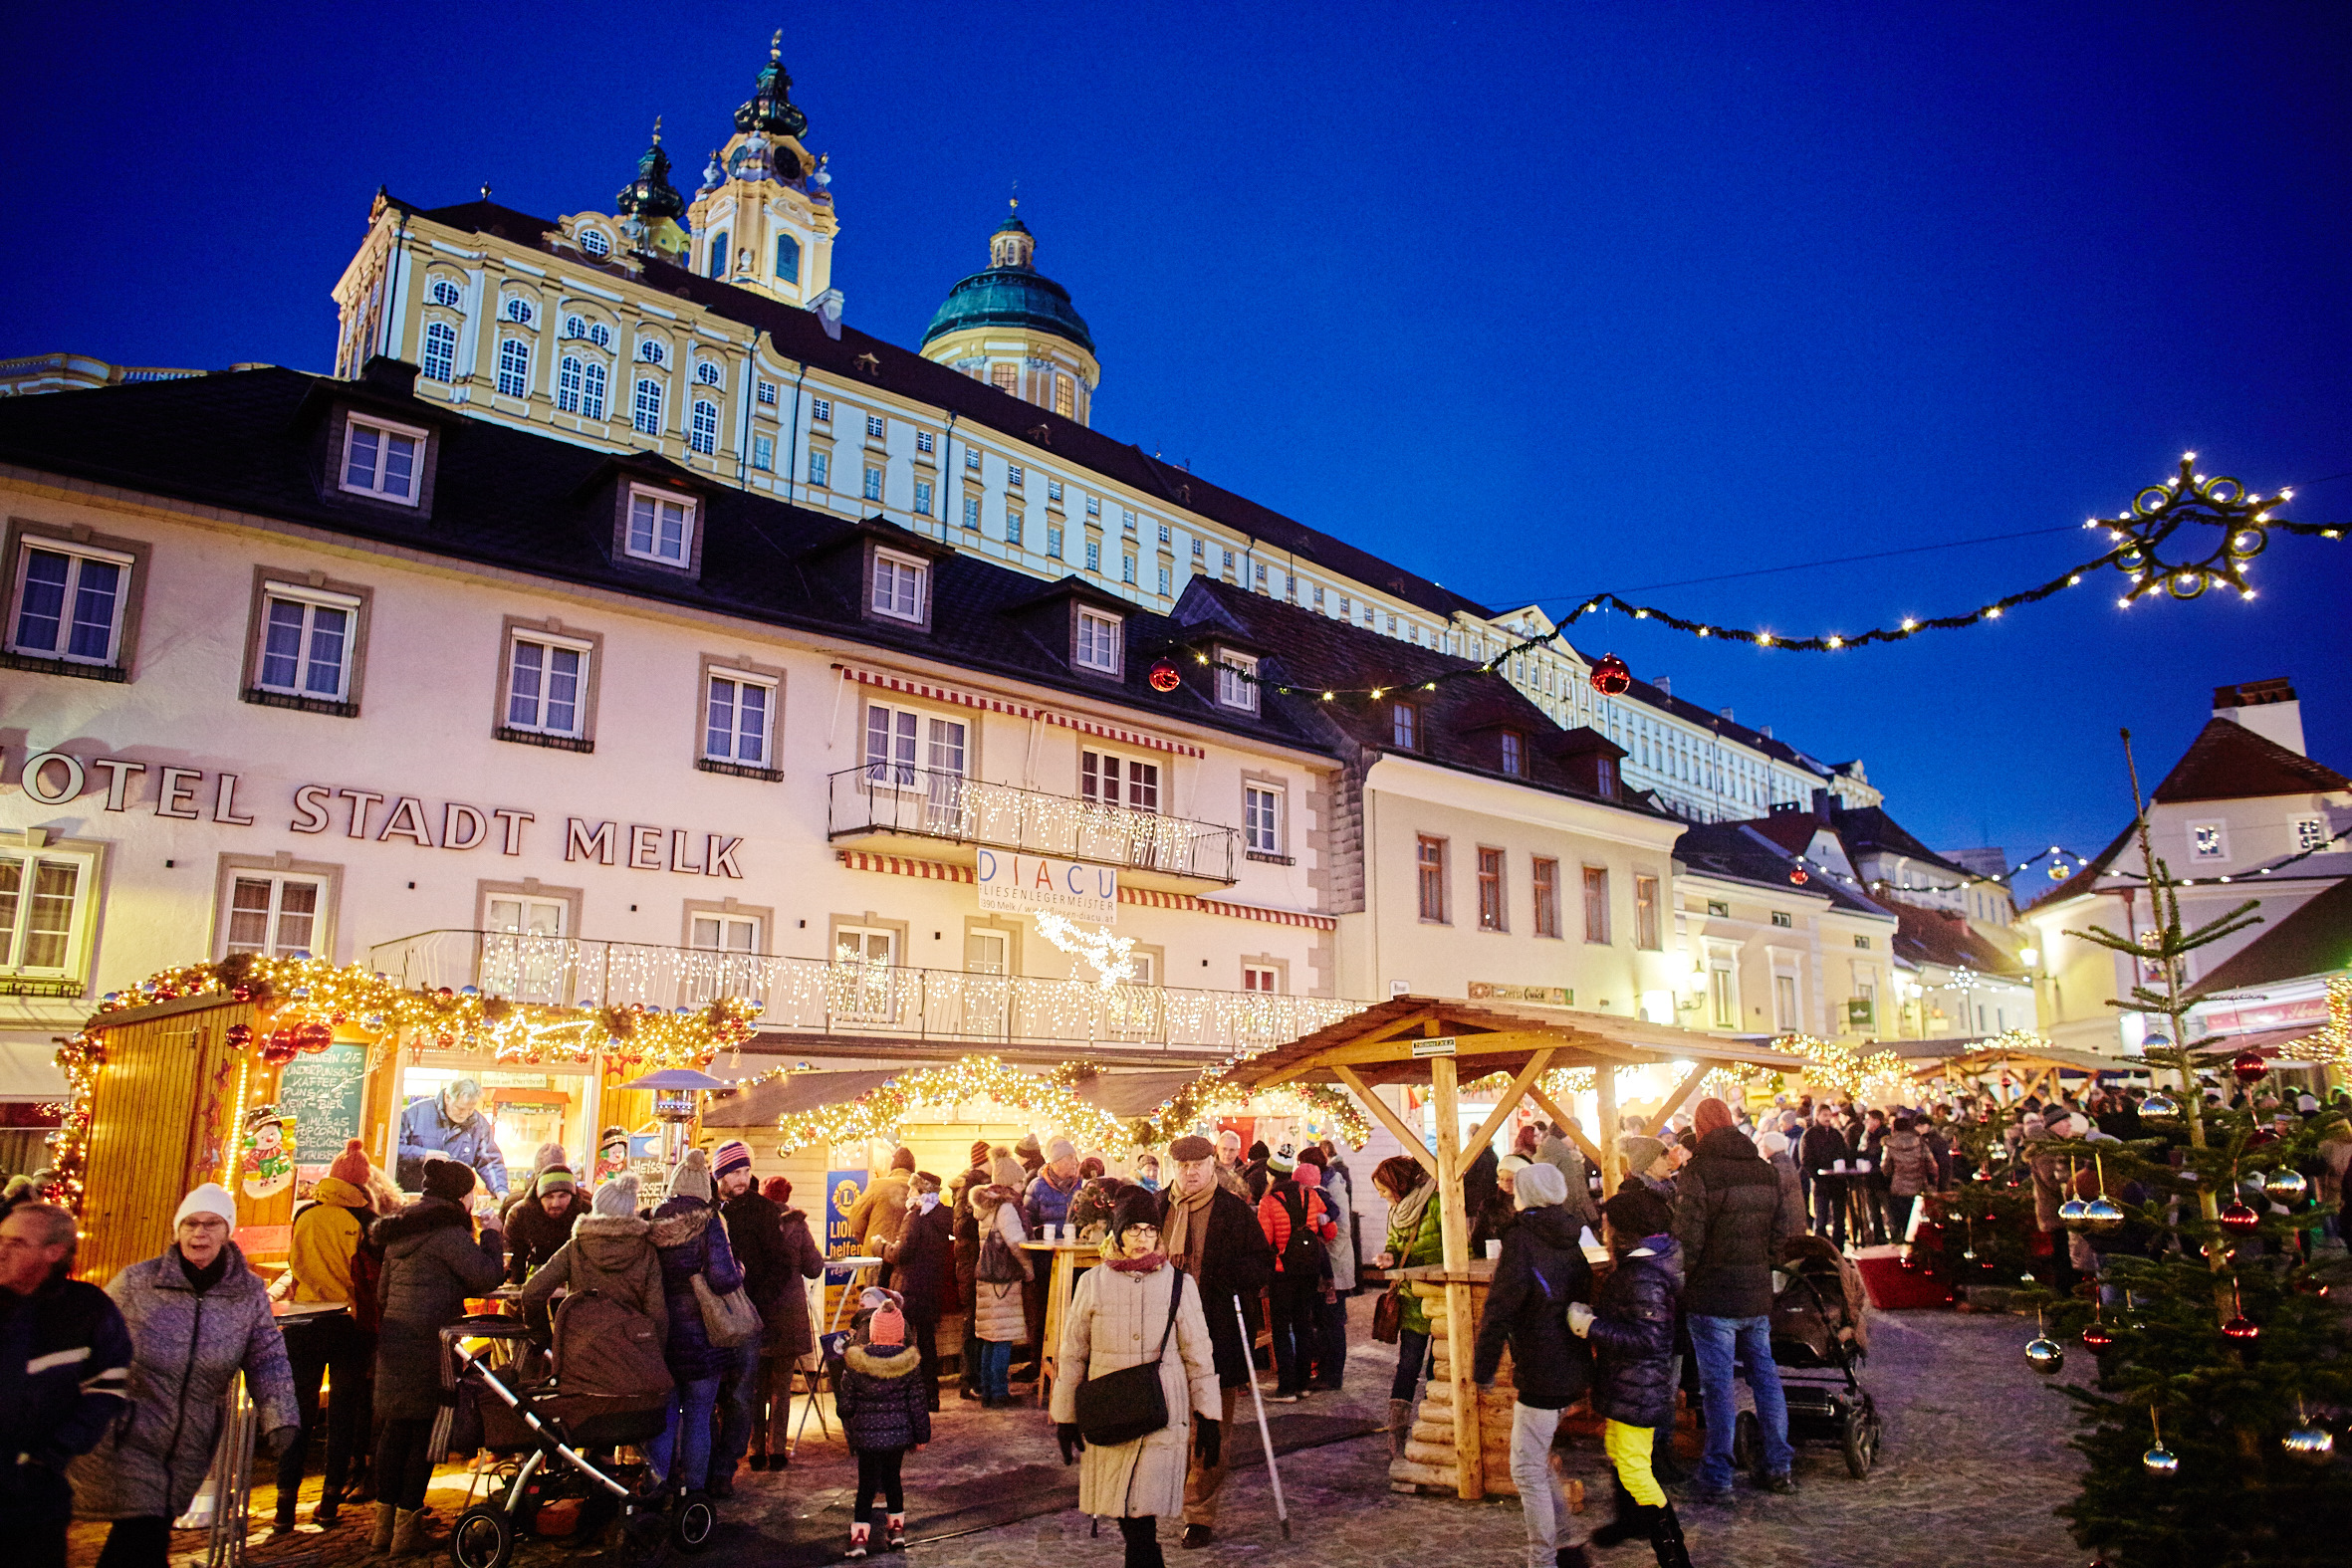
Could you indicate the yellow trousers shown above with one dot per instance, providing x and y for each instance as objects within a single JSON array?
[{"x": 1628, "y": 1448}]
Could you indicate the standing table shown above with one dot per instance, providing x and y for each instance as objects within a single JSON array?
[{"x": 1069, "y": 1258}]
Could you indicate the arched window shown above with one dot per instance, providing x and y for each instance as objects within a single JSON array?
[
  {"x": 704, "y": 436},
  {"x": 652, "y": 352},
  {"x": 600, "y": 335},
  {"x": 594, "y": 242},
  {"x": 648, "y": 406},
  {"x": 514, "y": 367},
  {"x": 707, "y": 372},
  {"x": 719, "y": 254},
  {"x": 445, "y": 293},
  {"x": 788, "y": 259},
  {"x": 440, "y": 351},
  {"x": 568, "y": 384},
  {"x": 574, "y": 326},
  {"x": 592, "y": 391},
  {"x": 519, "y": 311}
]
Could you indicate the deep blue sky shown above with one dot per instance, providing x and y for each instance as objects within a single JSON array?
[{"x": 1536, "y": 300}]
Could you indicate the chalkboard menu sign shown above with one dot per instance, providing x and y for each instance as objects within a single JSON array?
[{"x": 320, "y": 1096}]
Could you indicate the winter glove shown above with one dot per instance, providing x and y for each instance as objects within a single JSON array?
[
  {"x": 1579, "y": 1319},
  {"x": 1072, "y": 1445},
  {"x": 279, "y": 1440},
  {"x": 1208, "y": 1441}
]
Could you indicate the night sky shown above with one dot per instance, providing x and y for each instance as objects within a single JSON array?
[{"x": 1539, "y": 302}]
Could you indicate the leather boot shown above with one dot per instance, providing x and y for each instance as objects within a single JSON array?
[
  {"x": 382, "y": 1538},
  {"x": 1666, "y": 1538},
  {"x": 409, "y": 1538},
  {"x": 1632, "y": 1518},
  {"x": 1400, "y": 1426}
]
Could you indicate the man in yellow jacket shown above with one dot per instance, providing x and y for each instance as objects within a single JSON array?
[{"x": 321, "y": 1260}]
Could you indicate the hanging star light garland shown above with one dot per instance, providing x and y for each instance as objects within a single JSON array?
[
  {"x": 882, "y": 1111},
  {"x": 1112, "y": 958},
  {"x": 1846, "y": 1068}
]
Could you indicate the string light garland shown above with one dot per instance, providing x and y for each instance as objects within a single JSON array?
[
  {"x": 1846, "y": 1068},
  {"x": 2332, "y": 1045},
  {"x": 2323, "y": 846},
  {"x": 1112, "y": 958}
]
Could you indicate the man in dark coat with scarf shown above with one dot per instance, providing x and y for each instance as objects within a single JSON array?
[
  {"x": 923, "y": 1272},
  {"x": 1732, "y": 1215},
  {"x": 1212, "y": 1233}
]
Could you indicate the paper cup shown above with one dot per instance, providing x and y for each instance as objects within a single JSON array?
[{"x": 1494, "y": 1250}]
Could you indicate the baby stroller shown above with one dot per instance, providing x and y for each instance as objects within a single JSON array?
[
  {"x": 1817, "y": 1327},
  {"x": 555, "y": 1425}
]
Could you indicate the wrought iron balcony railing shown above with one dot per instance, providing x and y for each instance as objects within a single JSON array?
[
  {"x": 855, "y": 996},
  {"x": 930, "y": 802}
]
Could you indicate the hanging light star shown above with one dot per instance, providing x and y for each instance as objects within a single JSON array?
[{"x": 2161, "y": 512}]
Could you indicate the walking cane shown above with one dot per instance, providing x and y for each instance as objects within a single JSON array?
[{"x": 1264, "y": 1439}]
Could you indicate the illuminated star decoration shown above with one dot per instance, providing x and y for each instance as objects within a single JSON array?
[
  {"x": 2161, "y": 510},
  {"x": 1112, "y": 958}
]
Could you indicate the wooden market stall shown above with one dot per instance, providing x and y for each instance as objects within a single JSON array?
[
  {"x": 1441, "y": 1043},
  {"x": 2031, "y": 1067}
]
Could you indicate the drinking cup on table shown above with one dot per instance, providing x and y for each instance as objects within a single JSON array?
[{"x": 1494, "y": 1250}]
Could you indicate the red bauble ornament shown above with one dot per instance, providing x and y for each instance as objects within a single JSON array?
[
  {"x": 1165, "y": 677},
  {"x": 445, "y": 1041},
  {"x": 2242, "y": 1327},
  {"x": 1799, "y": 876},
  {"x": 2249, "y": 1066},
  {"x": 282, "y": 1041},
  {"x": 2261, "y": 1136},
  {"x": 2097, "y": 1336},
  {"x": 2239, "y": 1220},
  {"x": 1611, "y": 677},
  {"x": 445, "y": 995},
  {"x": 313, "y": 1036},
  {"x": 241, "y": 992},
  {"x": 240, "y": 1036}
]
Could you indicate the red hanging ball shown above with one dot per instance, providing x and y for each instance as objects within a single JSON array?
[
  {"x": 1611, "y": 677},
  {"x": 2097, "y": 1336},
  {"x": 2243, "y": 1328},
  {"x": 2261, "y": 1136},
  {"x": 313, "y": 1036},
  {"x": 1799, "y": 876},
  {"x": 1165, "y": 677},
  {"x": 240, "y": 1036},
  {"x": 2249, "y": 1066},
  {"x": 2239, "y": 1220}
]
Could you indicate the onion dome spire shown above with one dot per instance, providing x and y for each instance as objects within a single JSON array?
[
  {"x": 770, "y": 107},
  {"x": 650, "y": 195}
]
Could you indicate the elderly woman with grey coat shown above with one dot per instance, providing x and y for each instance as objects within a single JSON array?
[
  {"x": 1133, "y": 1310},
  {"x": 197, "y": 1317}
]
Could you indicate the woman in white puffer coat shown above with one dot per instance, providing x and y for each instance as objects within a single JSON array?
[{"x": 1120, "y": 1317}]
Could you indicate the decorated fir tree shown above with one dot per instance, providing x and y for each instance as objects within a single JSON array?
[{"x": 2225, "y": 1368}]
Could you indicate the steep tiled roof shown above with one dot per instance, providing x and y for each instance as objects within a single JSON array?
[
  {"x": 1868, "y": 827},
  {"x": 514, "y": 499},
  {"x": 800, "y": 335},
  {"x": 1459, "y": 723},
  {"x": 2315, "y": 940},
  {"x": 2229, "y": 761},
  {"x": 1930, "y": 935},
  {"x": 1741, "y": 852}
]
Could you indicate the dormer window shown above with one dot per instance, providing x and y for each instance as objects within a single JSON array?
[
  {"x": 379, "y": 460},
  {"x": 445, "y": 293},
  {"x": 1404, "y": 726},
  {"x": 1515, "y": 753},
  {"x": 1237, "y": 682},
  {"x": 661, "y": 527},
  {"x": 519, "y": 311},
  {"x": 900, "y": 584},
  {"x": 594, "y": 242},
  {"x": 1097, "y": 642}
]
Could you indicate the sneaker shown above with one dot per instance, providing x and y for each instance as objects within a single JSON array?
[
  {"x": 896, "y": 1540},
  {"x": 1196, "y": 1536},
  {"x": 857, "y": 1539},
  {"x": 1700, "y": 1492},
  {"x": 1784, "y": 1484},
  {"x": 1283, "y": 1397}
]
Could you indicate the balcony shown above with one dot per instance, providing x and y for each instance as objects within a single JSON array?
[
  {"x": 880, "y": 803},
  {"x": 855, "y": 999}
]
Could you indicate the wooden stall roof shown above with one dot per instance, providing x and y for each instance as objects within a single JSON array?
[
  {"x": 1132, "y": 1094},
  {"x": 1980, "y": 1057},
  {"x": 763, "y": 1104},
  {"x": 1377, "y": 1043}
]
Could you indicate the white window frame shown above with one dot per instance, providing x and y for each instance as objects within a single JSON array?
[
  {"x": 708, "y": 373},
  {"x": 739, "y": 682},
  {"x": 517, "y": 311},
  {"x": 1094, "y": 555},
  {"x": 575, "y": 328},
  {"x": 724, "y": 928},
  {"x": 821, "y": 468},
  {"x": 763, "y": 452},
  {"x": 78, "y": 925},
  {"x": 922, "y": 497},
  {"x": 274, "y": 913},
  {"x": 1262, "y": 819},
  {"x": 383, "y": 428},
  {"x": 651, "y": 350},
  {"x": 2310, "y": 833},
  {"x": 594, "y": 382},
  {"x": 876, "y": 429},
  {"x": 437, "y": 359},
  {"x": 914, "y": 740},
  {"x": 514, "y": 379},
  {"x": 646, "y": 420},
  {"x": 1107, "y": 777},
  {"x": 702, "y": 427},
  {"x": 595, "y": 243},
  {"x": 820, "y": 411},
  {"x": 600, "y": 335},
  {"x": 885, "y": 598},
  {"x": 446, "y": 294},
  {"x": 1236, "y": 685},
  {"x": 549, "y": 642},
  {"x": 1264, "y": 979},
  {"x": 311, "y": 601},
  {"x": 1096, "y": 641},
  {"x": 657, "y": 499},
  {"x": 77, "y": 555},
  {"x": 571, "y": 370}
]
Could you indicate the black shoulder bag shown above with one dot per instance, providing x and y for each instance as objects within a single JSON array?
[{"x": 1130, "y": 1403}]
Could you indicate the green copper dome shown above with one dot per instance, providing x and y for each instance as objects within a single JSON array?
[
  {"x": 1010, "y": 293},
  {"x": 770, "y": 109},
  {"x": 650, "y": 195}
]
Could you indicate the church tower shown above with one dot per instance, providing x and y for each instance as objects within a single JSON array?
[
  {"x": 763, "y": 217},
  {"x": 1015, "y": 329},
  {"x": 649, "y": 207}
]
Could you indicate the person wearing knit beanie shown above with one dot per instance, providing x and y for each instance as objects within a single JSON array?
[
  {"x": 979, "y": 1154},
  {"x": 777, "y": 1190},
  {"x": 617, "y": 1198},
  {"x": 451, "y": 1181},
  {"x": 692, "y": 1178},
  {"x": 557, "y": 1178},
  {"x": 733, "y": 1155},
  {"x": 1283, "y": 1161},
  {"x": 885, "y": 1330},
  {"x": 351, "y": 1165},
  {"x": 210, "y": 1198},
  {"x": 1711, "y": 1114}
]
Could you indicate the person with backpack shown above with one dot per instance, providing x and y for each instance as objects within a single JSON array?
[
  {"x": 1330, "y": 1184},
  {"x": 878, "y": 1394},
  {"x": 1631, "y": 1330},
  {"x": 1138, "y": 1311},
  {"x": 327, "y": 1347},
  {"x": 1540, "y": 1271},
  {"x": 608, "y": 1252},
  {"x": 1300, "y": 1228},
  {"x": 999, "y": 1274},
  {"x": 696, "y": 1260}
]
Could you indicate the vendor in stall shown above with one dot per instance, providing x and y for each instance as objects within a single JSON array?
[{"x": 451, "y": 1126}]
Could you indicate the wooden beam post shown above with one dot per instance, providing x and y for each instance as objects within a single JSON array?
[
  {"x": 1470, "y": 1482},
  {"x": 1509, "y": 1101},
  {"x": 1673, "y": 1101},
  {"x": 1613, "y": 1159},
  {"x": 1389, "y": 1119},
  {"x": 1567, "y": 1128}
]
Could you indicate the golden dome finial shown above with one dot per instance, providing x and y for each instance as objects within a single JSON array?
[
  {"x": 776, "y": 45},
  {"x": 657, "y": 130}
]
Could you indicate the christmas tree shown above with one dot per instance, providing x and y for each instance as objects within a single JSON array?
[{"x": 2223, "y": 1363}]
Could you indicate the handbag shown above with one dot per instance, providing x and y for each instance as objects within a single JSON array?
[
  {"x": 1121, "y": 1406},
  {"x": 728, "y": 1319},
  {"x": 1388, "y": 1314}
]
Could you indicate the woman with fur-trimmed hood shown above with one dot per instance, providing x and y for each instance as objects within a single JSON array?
[
  {"x": 611, "y": 1250},
  {"x": 691, "y": 1239}
]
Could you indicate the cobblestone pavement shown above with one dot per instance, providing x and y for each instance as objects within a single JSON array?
[{"x": 1974, "y": 1459}]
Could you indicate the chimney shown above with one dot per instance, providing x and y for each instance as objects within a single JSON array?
[
  {"x": 1726, "y": 715},
  {"x": 1822, "y": 805},
  {"x": 2268, "y": 708},
  {"x": 398, "y": 378},
  {"x": 1664, "y": 683}
]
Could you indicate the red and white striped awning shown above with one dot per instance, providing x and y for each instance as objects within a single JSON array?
[
  {"x": 909, "y": 686},
  {"x": 1149, "y": 898}
]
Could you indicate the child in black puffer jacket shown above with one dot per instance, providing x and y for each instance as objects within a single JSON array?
[
  {"x": 1631, "y": 1329},
  {"x": 885, "y": 1411}
]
